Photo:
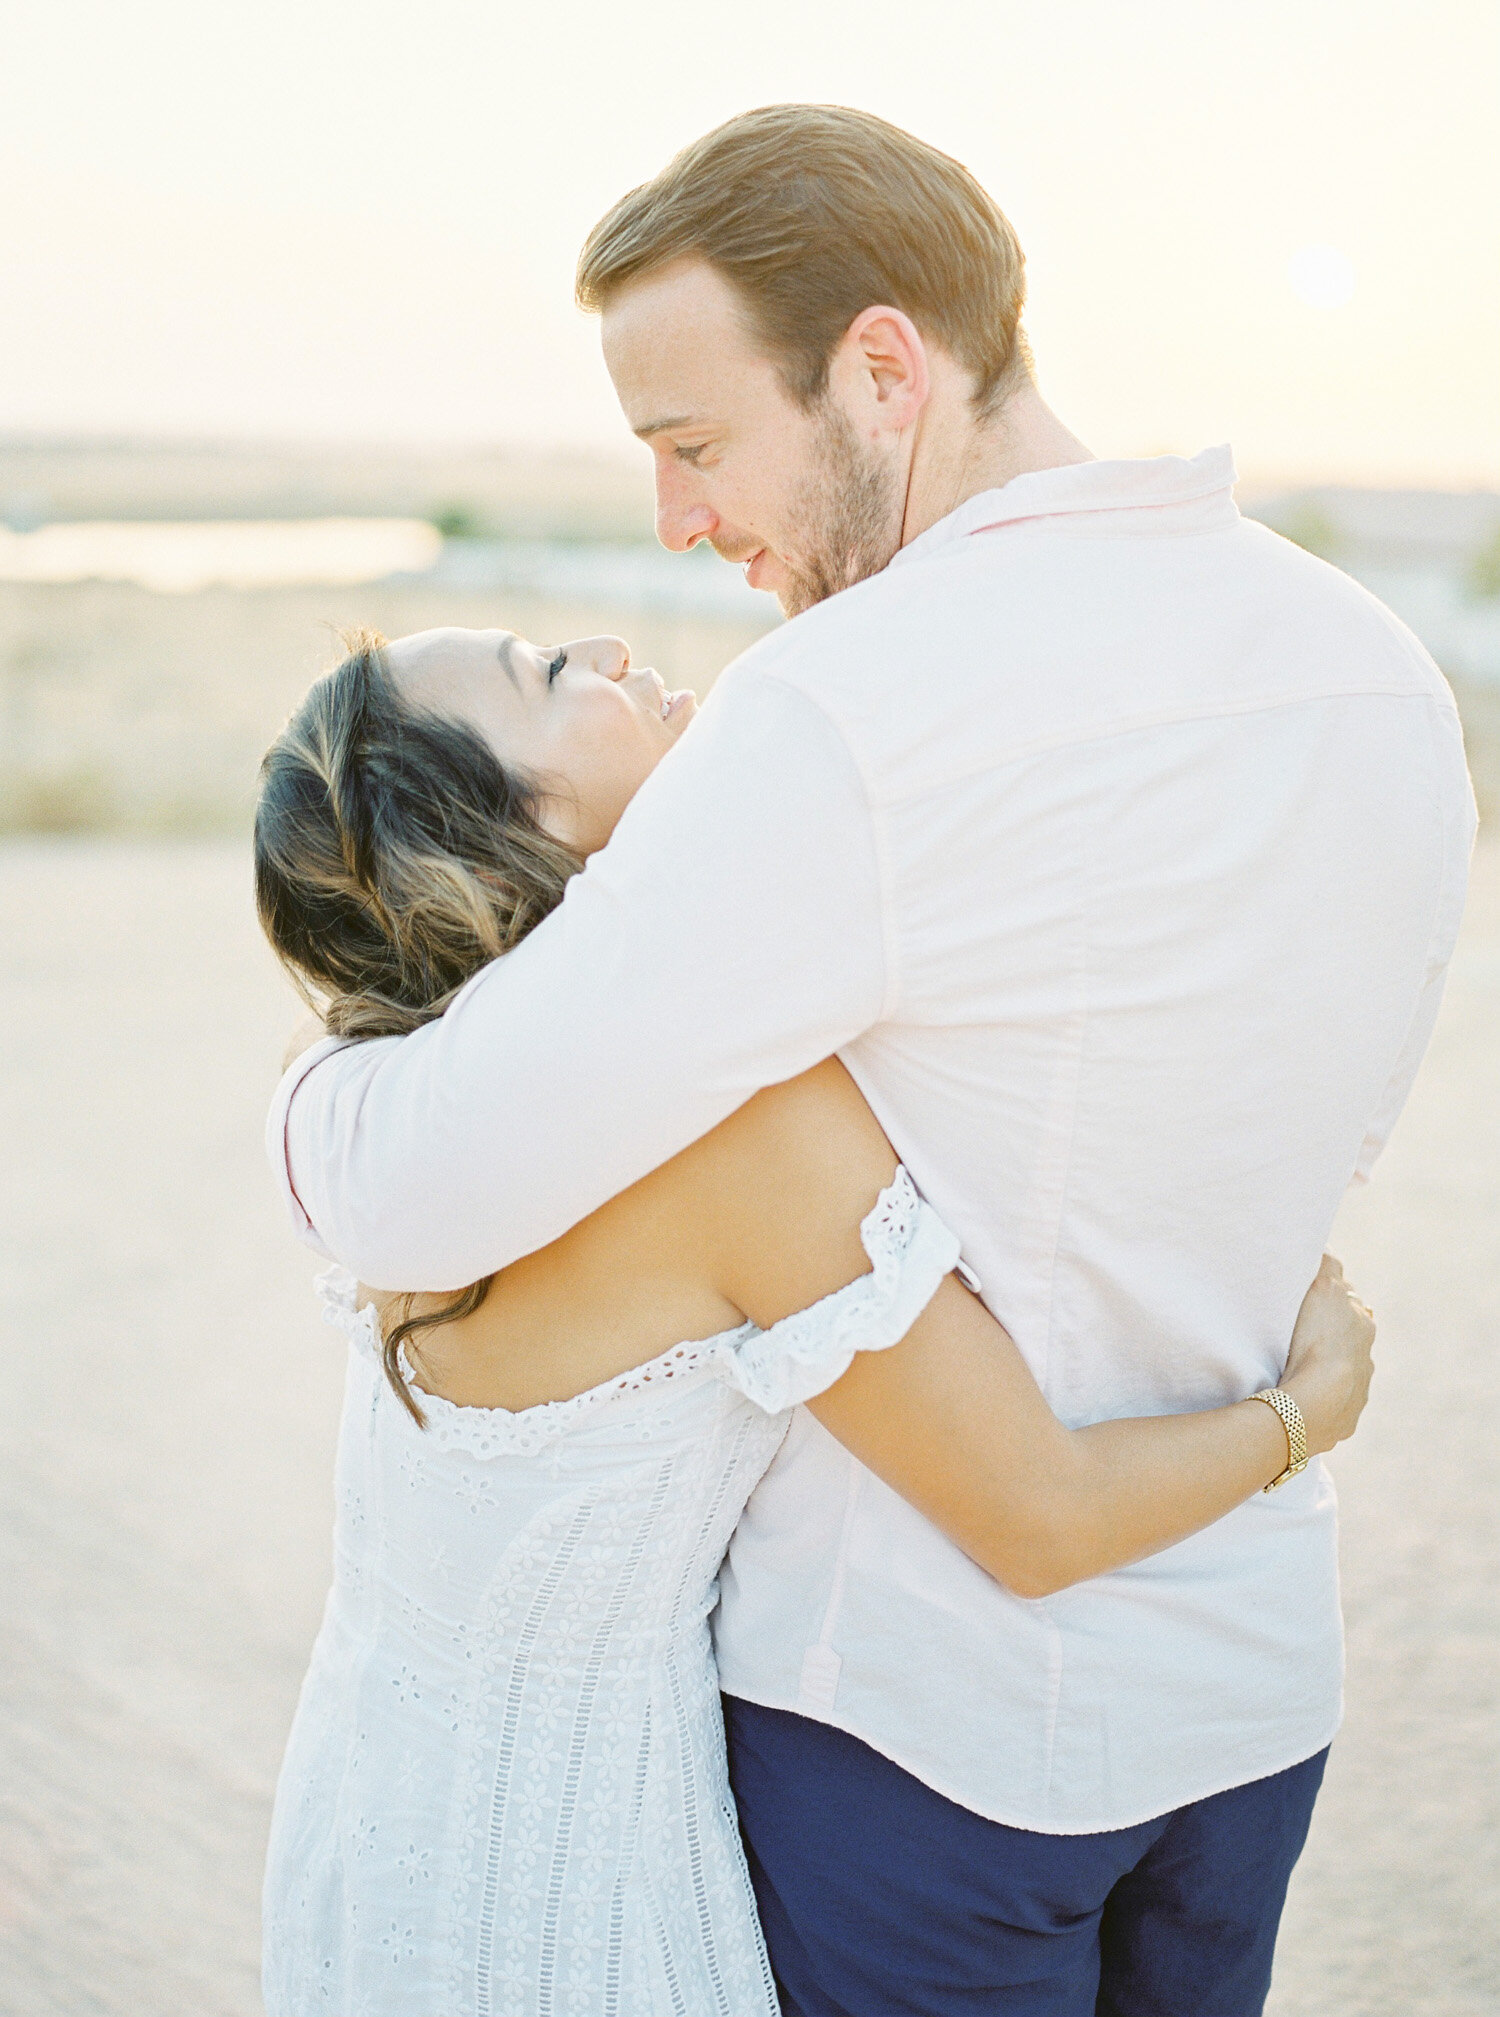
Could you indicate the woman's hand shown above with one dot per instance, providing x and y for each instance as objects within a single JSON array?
[{"x": 1329, "y": 1367}]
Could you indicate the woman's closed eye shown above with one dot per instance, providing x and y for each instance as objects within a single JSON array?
[{"x": 555, "y": 666}]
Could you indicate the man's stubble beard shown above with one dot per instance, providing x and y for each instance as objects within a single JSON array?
[{"x": 845, "y": 523}]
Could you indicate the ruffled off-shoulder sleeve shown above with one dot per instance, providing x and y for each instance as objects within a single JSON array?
[
  {"x": 338, "y": 1297},
  {"x": 910, "y": 1251}
]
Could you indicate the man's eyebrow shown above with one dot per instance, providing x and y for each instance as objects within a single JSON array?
[
  {"x": 665, "y": 426},
  {"x": 507, "y": 660}
]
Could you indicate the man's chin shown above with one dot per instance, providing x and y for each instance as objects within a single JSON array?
[
  {"x": 792, "y": 588},
  {"x": 796, "y": 591}
]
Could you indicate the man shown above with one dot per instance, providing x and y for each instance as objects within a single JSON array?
[{"x": 1118, "y": 847}]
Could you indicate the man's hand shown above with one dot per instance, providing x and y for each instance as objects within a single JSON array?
[
  {"x": 308, "y": 1032},
  {"x": 1329, "y": 1367}
]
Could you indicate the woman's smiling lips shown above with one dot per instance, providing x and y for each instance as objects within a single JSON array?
[{"x": 670, "y": 705}]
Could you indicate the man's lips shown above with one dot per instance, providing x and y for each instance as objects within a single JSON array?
[{"x": 757, "y": 567}]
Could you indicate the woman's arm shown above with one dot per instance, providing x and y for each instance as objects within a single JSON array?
[
  {"x": 952, "y": 1420},
  {"x": 951, "y": 1417}
]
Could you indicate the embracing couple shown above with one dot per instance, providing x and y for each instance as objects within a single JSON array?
[{"x": 829, "y": 1514}]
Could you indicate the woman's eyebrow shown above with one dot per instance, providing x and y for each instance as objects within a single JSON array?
[{"x": 507, "y": 660}]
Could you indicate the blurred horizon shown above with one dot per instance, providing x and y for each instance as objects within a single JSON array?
[
  {"x": 625, "y": 466},
  {"x": 164, "y": 605}
]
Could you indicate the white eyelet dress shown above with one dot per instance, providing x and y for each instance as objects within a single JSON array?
[{"x": 505, "y": 1793}]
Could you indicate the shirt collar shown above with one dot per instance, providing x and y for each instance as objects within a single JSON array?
[{"x": 1195, "y": 487}]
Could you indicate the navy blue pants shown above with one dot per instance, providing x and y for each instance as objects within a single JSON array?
[{"x": 882, "y": 1899}]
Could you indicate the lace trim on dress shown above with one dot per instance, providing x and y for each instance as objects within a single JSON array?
[
  {"x": 496, "y": 1432},
  {"x": 910, "y": 1251}
]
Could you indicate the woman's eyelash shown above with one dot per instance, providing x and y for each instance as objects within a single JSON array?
[{"x": 556, "y": 666}]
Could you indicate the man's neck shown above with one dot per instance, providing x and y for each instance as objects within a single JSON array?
[{"x": 956, "y": 458}]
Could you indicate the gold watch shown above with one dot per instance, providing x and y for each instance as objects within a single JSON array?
[{"x": 1296, "y": 1432}]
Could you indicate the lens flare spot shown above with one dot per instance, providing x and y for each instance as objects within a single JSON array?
[{"x": 1321, "y": 276}]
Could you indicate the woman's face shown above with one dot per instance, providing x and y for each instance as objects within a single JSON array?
[{"x": 577, "y": 717}]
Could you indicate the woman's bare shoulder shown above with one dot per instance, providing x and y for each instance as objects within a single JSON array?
[
  {"x": 825, "y": 1094},
  {"x": 777, "y": 1191},
  {"x": 799, "y": 1126}
]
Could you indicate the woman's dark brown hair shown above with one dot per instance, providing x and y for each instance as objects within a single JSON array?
[{"x": 395, "y": 855}]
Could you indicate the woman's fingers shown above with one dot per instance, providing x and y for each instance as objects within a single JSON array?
[
  {"x": 1362, "y": 1362},
  {"x": 1330, "y": 1361}
]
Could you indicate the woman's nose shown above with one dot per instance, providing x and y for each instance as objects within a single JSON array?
[{"x": 609, "y": 655}]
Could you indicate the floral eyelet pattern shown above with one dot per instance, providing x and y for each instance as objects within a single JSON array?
[{"x": 505, "y": 1793}]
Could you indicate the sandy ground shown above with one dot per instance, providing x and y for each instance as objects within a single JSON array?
[{"x": 168, "y": 1428}]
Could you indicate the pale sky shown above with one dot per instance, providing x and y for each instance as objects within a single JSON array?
[{"x": 309, "y": 218}]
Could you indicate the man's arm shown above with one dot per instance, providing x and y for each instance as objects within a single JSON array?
[{"x": 730, "y": 936}]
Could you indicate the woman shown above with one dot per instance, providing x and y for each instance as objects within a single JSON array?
[{"x": 505, "y": 1788}]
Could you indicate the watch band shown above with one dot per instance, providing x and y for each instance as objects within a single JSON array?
[{"x": 1296, "y": 1432}]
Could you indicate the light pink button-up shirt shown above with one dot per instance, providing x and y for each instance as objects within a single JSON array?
[{"x": 1119, "y": 848}]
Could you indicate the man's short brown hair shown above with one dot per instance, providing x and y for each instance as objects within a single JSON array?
[{"x": 814, "y": 213}]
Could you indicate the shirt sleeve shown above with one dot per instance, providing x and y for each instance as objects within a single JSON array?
[{"x": 730, "y": 936}]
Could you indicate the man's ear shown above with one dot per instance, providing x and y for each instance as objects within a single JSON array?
[{"x": 881, "y": 369}]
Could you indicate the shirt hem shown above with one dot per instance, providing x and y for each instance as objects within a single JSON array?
[{"x": 1013, "y": 1817}]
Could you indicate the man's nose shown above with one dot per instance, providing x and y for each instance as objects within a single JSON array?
[{"x": 681, "y": 521}]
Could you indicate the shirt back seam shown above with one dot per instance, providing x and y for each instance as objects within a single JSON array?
[{"x": 1136, "y": 725}]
